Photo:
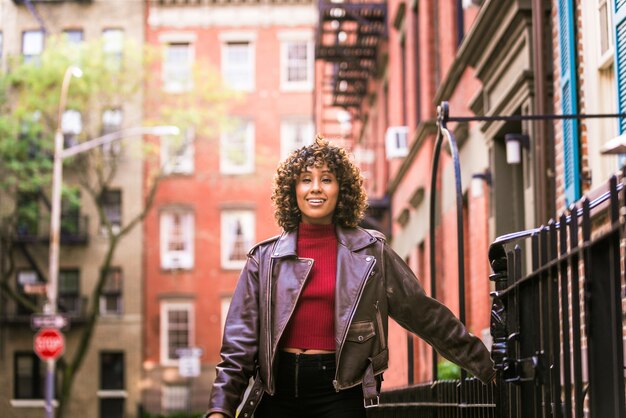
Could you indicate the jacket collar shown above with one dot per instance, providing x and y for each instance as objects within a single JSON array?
[{"x": 353, "y": 239}]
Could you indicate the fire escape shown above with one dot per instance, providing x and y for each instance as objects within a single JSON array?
[{"x": 349, "y": 36}]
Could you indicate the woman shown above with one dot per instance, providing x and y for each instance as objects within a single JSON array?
[{"x": 308, "y": 319}]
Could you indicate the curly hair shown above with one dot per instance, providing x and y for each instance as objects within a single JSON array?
[{"x": 352, "y": 200}]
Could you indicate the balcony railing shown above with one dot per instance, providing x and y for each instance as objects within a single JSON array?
[
  {"x": 13, "y": 313},
  {"x": 74, "y": 230}
]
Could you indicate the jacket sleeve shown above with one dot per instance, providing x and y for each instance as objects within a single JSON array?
[
  {"x": 431, "y": 320},
  {"x": 239, "y": 344}
]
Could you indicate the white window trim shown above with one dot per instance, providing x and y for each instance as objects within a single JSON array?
[
  {"x": 249, "y": 166},
  {"x": 177, "y": 260},
  {"x": 164, "y": 337},
  {"x": 227, "y": 38},
  {"x": 164, "y": 398},
  {"x": 286, "y": 85},
  {"x": 285, "y": 148},
  {"x": 179, "y": 164},
  {"x": 178, "y": 87},
  {"x": 32, "y": 403},
  {"x": 605, "y": 60},
  {"x": 112, "y": 394},
  {"x": 224, "y": 244}
]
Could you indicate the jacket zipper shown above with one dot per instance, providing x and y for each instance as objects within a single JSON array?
[
  {"x": 379, "y": 320},
  {"x": 273, "y": 355},
  {"x": 269, "y": 324},
  {"x": 345, "y": 333}
]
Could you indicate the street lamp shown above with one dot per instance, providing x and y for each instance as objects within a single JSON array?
[{"x": 55, "y": 222}]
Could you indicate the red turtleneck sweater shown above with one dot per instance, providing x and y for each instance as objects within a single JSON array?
[{"x": 312, "y": 324}]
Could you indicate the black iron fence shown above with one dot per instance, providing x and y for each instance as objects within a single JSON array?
[
  {"x": 558, "y": 330},
  {"x": 557, "y": 319},
  {"x": 442, "y": 399}
]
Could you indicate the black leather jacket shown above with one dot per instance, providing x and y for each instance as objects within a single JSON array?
[{"x": 373, "y": 282}]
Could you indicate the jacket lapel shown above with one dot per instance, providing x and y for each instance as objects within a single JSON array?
[
  {"x": 289, "y": 274},
  {"x": 352, "y": 273}
]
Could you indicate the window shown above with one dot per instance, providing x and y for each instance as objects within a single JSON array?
[
  {"x": 113, "y": 47},
  {"x": 69, "y": 292},
  {"x": 237, "y": 236},
  {"x": 111, "y": 201},
  {"x": 74, "y": 36},
  {"x": 177, "y": 239},
  {"x": 177, "y": 67},
  {"x": 112, "y": 394},
  {"x": 29, "y": 376},
  {"x": 72, "y": 126},
  {"x": 177, "y": 155},
  {"x": 111, "y": 296},
  {"x": 606, "y": 40},
  {"x": 238, "y": 65},
  {"x": 176, "y": 329},
  {"x": 70, "y": 218},
  {"x": 294, "y": 134},
  {"x": 112, "y": 122},
  {"x": 296, "y": 65},
  {"x": 112, "y": 370},
  {"x": 175, "y": 398},
  {"x": 32, "y": 45},
  {"x": 237, "y": 149}
]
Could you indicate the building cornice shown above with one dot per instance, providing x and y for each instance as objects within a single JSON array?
[
  {"x": 207, "y": 14},
  {"x": 491, "y": 26}
]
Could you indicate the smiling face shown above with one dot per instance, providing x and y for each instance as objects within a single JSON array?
[{"x": 317, "y": 191}]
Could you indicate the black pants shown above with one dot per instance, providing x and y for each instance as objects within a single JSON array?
[{"x": 304, "y": 388}]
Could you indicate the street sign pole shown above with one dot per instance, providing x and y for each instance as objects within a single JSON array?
[
  {"x": 50, "y": 366},
  {"x": 49, "y": 344}
]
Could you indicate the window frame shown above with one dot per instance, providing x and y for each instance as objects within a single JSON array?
[
  {"x": 227, "y": 142},
  {"x": 183, "y": 162},
  {"x": 107, "y": 208},
  {"x": 115, "y": 394},
  {"x": 37, "y": 376},
  {"x": 605, "y": 59},
  {"x": 228, "y": 39},
  {"x": 164, "y": 337},
  {"x": 290, "y": 38},
  {"x": 177, "y": 259},
  {"x": 170, "y": 408},
  {"x": 34, "y": 56},
  {"x": 111, "y": 49},
  {"x": 287, "y": 145},
  {"x": 118, "y": 294},
  {"x": 247, "y": 217},
  {"x": 73, "y": 294},
  {"x": 182, "y": 71}
]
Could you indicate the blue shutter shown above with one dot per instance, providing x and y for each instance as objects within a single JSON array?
[
  {"x": 619, "y": 19},
  {"x": 569, "y": 99}
]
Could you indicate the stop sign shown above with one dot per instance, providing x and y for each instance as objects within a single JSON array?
[{"x": 49, "y": 344}]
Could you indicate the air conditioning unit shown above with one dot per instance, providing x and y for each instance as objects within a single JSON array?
[{"x": 397, "y": 142}]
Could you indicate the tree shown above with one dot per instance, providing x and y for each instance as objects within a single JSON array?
[{"x": 29, "y": 100}]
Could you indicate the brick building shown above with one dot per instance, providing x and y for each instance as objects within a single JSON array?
[
  {"x": 487, "y": 59},
  {"x": 216, "y": 202}
]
